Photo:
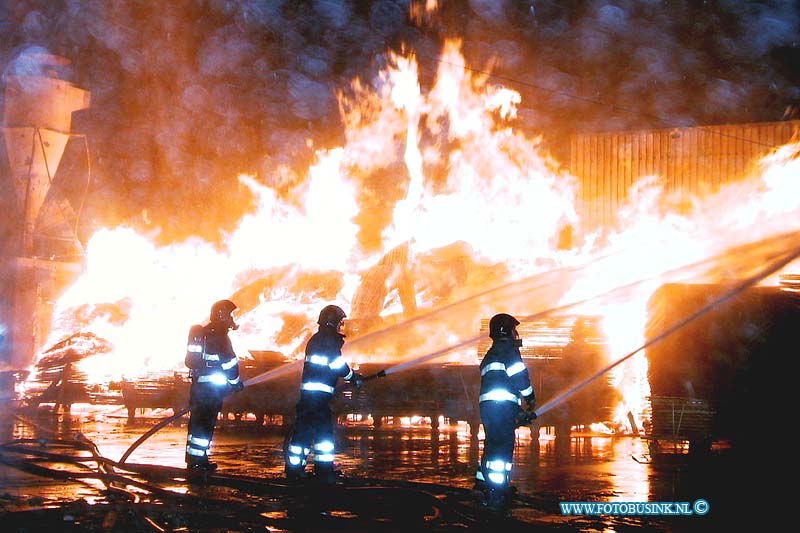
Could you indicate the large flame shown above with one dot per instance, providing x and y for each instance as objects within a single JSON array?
[{"x": 469, "y": 179}]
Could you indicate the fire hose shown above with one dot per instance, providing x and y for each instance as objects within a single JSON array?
[
  {"x": 152, "y": 431},
  {"x": 363, "y": 380},
  {"x": 178, "y": 414},
  {"x": 139, "y": 492},
  {"x": 380, "y": 374},
  {"x": 737, "y": 289}
]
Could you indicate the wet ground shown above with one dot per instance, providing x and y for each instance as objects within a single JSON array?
[{"x": 400, "y": 477}]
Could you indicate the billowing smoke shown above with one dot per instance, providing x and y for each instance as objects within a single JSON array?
[{"x": 186, "y": 95}]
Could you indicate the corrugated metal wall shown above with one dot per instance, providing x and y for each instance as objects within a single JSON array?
[{"x": 695, "y": 160}]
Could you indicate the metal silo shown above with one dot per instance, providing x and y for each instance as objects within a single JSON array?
[{"x": 37, "y": 122}]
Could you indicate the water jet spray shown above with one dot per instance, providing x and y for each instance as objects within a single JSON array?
[
  {"x": 752, "y": 280},
  {"x": 738, "y": 288}
]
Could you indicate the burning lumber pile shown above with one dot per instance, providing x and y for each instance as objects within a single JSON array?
[
  {"x": 59, "y": 380},
  {"x": 561, "y": 351},
  {"x": 156, "y": 391}
]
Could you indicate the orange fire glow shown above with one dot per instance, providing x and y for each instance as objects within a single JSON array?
[{"x": 501, "y": 196}]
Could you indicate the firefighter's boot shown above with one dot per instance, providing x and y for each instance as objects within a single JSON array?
[
  {"x": 498, "y": 498},
  {"x": 325, "y": 473},
  {"x": 295, "y": 473},
  {"x": 202, "y": 466}
]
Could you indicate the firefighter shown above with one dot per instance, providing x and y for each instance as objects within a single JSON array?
[
  {"x": 313, "y": 429},
  {"x": 214, "y": 369},
  {"x": 505, "y": 383}
]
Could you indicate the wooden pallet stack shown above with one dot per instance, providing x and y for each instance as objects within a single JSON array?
[{"x": 680, "y": 422}]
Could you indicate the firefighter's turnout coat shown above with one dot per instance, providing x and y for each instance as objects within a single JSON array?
[
  {"x": 504, "y": 384},
  {"x": 322, "y": 368},
  {"x": 214, "y": 369}
]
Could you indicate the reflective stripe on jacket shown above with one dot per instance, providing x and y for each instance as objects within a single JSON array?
[
  {"x": 504, "y": 376},
  {"x": 324, "y": 364},
  {"x": 215, "y": 362}
]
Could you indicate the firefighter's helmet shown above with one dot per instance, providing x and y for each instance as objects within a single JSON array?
[
  {"x": 503, "y": 326},
  {"x": 221, "y": 314},
  {"x": 331, "y": 316}
]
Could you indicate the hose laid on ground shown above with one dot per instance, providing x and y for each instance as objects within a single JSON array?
[
  {"x": 740, "y": 287},
  {"x": 31, "y": 464},
  {"x": 252, "y": 381},
  {"x": 171, "y": 419},
  {"x": 360, "y": 504},
  {"x": 150, "y": 432},
  {"x": 185, "y": 410}
]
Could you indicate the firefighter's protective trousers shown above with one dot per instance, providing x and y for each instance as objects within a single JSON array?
[
  {"x": 206, "y": 402},
  {"x": 313, "y": 430},
  {"x": 499, "y": 420}
]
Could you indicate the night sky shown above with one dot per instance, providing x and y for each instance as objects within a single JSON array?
[{"x": 188, "y": 94}]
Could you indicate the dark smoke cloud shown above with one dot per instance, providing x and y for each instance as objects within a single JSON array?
[{"x": 188, "y": 94}]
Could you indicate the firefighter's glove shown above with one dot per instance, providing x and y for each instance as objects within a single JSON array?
[
  {"x": 357, "y": 380},
  {"x": 530, "y": 403},
  {"x": 524, "y": 418},
  {"x": 530, "y": 412},
  {"x": 238, "y": 387}
]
